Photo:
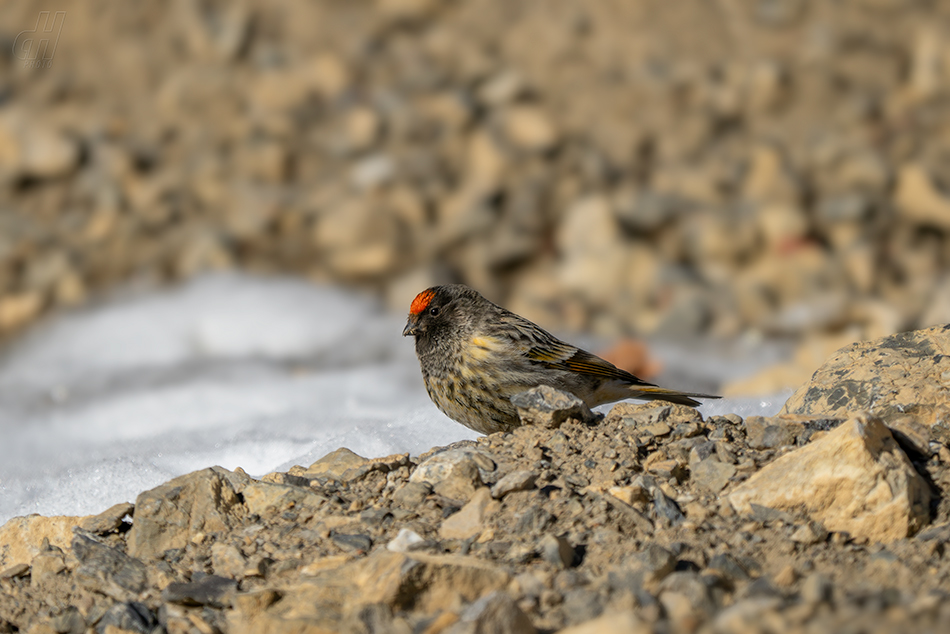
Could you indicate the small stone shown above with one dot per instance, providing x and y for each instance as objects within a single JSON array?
[
  {"x": 357, "y": 542},
  {"x": 335, "y": 464},
  {"x": 652, "y": 564},
  {"x": 15, "y": 571},
  {"x": 495, "y": 612},
  {"x": 786, "y": 577},
  {"x": 625, "y": 622},
  {"x": 529, "y": 128},
  {"x": 809, "y": 533},
  {"x": 45, "y": 567},
  {"x": 712, "y": 475},
  {"x": 129, "y": 616},
  {"x": 550, "y": 408},
  {"x": 210, "y": 590},
  {"x": 228, "y": 561},
  {"x": 453, "y": 473},
  {"x": 521, "y": 480},
  {"x": 816, "y": 588},
  {"x": 107, "y": 570},
  {"x": 469, "y": 521},
  {"x": 411, "y": 494},
  {"x": 18, "y": 309},
  {"x": 404, "y": 541},
  {"x": 109, "y": 520},
  {"x": 557, "y": 551}
]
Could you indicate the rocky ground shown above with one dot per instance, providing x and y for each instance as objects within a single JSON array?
[
  {"x": 691, "y": 169},
  {"x": 649, "y": 519}
]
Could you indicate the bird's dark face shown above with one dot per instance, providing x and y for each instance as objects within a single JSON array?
[
  {"x": 429, "y": 312},
  {"x": 442, "y": 310}
]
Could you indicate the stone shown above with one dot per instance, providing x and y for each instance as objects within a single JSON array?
[
  {"x": 428, "y": 582},
  {"x": 711, "y": 474},
  {"x": 892, "y": 377},
  {"x": 817, "y": 588},
  {"x": 109, "y": 520},
  {"x": 412, "y": 494},
  {"x": 404, "y": 541},
  {"x": 170, "y": 515},
  {"x": 46, "y": 567},
  {"x": 210, "y": 590},
  {"x": 809, "y": 533},
  {"x": 263, "y": 498},
  {"x": 521, "y": 480},
  {"x": 549, "y": 408},
  {"x": 335, "y": 464},
  {"x": 108, "y": 570},
  {"x": 18, "y": 309},
  {"x": 29, "y": 148},
  {"x": 228, "y": 560},
  {"x": 756, "y": 614},
  {"x": 453, "y": 473},
  {"x": 613, "y": 622},
  {"x": 469, "y": 521},
  {"x": 128, "y": 616},
  {"x": 557, "y": 551},
  {"x": 529, "y": 128},
  {"x": 495, "y": 612},
  {"x": 855, "y": 478},
  {"x": 917, "y": 198},
  {"x": 22, "y": 537},
  {"x": 651, "y": 565}
]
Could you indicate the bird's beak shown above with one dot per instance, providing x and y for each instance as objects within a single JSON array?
[{"x": 410, "y": 328}]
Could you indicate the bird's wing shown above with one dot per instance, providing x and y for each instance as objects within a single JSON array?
[{"x": 541, "y": 347}]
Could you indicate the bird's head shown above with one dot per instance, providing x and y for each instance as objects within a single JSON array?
[{"x": 438, "y": 308}]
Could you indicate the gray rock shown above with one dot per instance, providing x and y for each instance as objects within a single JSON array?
[
  {"x": 550, "y": 408},
  {"x": 521, "y": 480},
  {"x": 210, "y": 590},
  {"x": 412, "y": 494},
  {"x": 129, "y": 616},
  {"x": 816, "y": 588},
  {"x": 453, "y": 473},
  {"x": 557, "y": 551},
  {"x": 652, "y": 564},
  {"x": 107, "y": 570},
  {"x": 712, "y": 475},
  {"x": 493, "y": 613}
]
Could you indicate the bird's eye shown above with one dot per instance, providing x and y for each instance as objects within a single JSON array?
[{"x": 434, "y": 311}]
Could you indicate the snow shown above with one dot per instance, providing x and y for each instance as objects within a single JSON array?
[{"x": 101, "y": 404}]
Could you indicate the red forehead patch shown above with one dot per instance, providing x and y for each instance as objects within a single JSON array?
[{"x": 421, "y": 302}]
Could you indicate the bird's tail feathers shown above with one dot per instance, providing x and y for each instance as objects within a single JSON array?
[{"x": 655, "y": 393}]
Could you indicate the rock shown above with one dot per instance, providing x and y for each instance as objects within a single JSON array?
[
  {"x": 521, "y": 480},
  {"x": 651, "y": 565},
  {"x": 453, "y": 473},
  {"x": 128, "y": 616},
  {"x": 550, "y": 408},
  {"x": 644, "y": 415},
  {"x": 108, "y": 570},
  {"x": 529, "y": 129},
  {"x": 816, "y": 588},
  {"x": 495, "y": 612},
  {"x": 169, "y": 515},
  {"x": 263, "y": 498},
  {"x": 22, "y": 537},
  {"x": 557, "y": 551},
  {"x": 404, "y": 541},
  {"x": 625, "y": 622},
  {"x": 109, "y": 520},
  {"x": 228, "y": 560},
  {"x": 360, "y": 238},
  {"x": 712, "y": 475},
  {"x": 210, "y": 590},
  {"x": 809, "y": 533},
  {"x": 46, "y": 567},
  {"x": 18, "y": 309},
  {"x": 412, "y": 494},
  {"x": 428, "y": 582},
  {"x": 32, "y": 149},
  {"x": 335, "y": 464},
  {"x": 912, "y": 366},
  {"x": 854, "y": 479},
  {"x": 918, "y": 199},
  {"x": 751, "y": 615},
  {"x": 469, "y": 521}
]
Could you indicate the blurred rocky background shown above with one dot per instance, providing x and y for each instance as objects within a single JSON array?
[{"x": 697, "y": 169}]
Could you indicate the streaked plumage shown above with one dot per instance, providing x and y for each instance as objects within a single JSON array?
[{"x": 475, "y": 356}]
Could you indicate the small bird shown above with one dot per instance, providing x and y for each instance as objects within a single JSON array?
[{"x": 475, "y": 356}]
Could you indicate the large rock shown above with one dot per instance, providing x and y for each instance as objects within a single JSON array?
[
  {"x": 169, "y": 515},
  {"x": 855, "y": 479},
  {"x": 22, "y": 537},
  {"x": 899, "y": 376}
]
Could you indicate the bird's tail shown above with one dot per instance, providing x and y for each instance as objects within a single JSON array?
[{"x": 655, "y": 393}]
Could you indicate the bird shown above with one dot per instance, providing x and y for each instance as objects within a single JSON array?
[{"x": 476, "y": 355}]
